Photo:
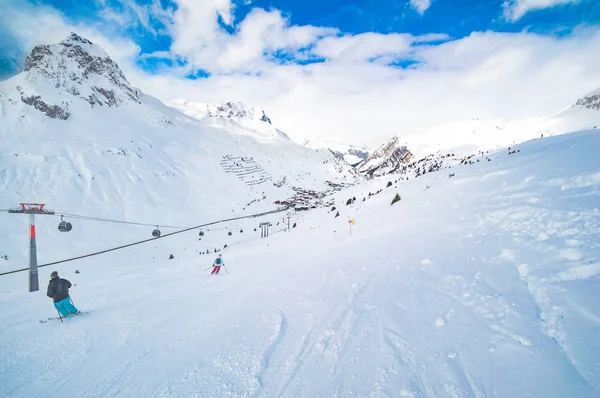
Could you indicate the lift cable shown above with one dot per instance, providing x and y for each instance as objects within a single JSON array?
[
  {"x": 80, "y": 217},
  {"x": 147, "y": 240}
]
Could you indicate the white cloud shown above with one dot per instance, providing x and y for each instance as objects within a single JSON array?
[
  {"x": 264, "y": 31},
  {"x": 196, "y": 32},
  {"x": 420, "y": 5},
  {"x": 363, "y": 46},
  {"x": 515, "y": 9},
  {"x": 199, "y": 38}
]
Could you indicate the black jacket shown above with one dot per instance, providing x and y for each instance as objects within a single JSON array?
[{"x": 58, "y": 289}]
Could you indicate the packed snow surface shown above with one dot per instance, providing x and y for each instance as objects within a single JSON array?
[{"x": 486, "y": 284}]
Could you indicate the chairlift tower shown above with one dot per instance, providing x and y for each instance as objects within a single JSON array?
[
  {"x": 32, "y": 209},
  {"x": 264, "y": 231}
]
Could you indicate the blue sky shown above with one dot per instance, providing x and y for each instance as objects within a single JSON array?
[
  {"x": 456, "y": 18},
  {"x": 340, "y": 68}
]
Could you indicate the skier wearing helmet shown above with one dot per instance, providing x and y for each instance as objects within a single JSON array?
[
  {"x": 218, "y": 264},
  {"x": 58, "y": 290}
]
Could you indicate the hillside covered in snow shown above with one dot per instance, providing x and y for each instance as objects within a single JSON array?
[
  {"x": 75, "y": 134},
  {"x": 465, "y": 142}
]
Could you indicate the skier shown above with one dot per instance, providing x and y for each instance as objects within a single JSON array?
[
  {"x": 58, "y": 290},
  {"x": 217, "y": 264}
]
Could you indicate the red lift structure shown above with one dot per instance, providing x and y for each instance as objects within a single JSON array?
[{"x": 32, "y": 209}]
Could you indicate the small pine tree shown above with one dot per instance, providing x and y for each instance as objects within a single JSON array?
[
  {"x": 348, "y": 202},
  {"x": 389, "y": 184},
  {"x": 397, "y": 198},
  {"x": 337, "y": 214}
]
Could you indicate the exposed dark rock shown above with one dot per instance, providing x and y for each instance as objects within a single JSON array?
[{"x": 53, "y": 111}]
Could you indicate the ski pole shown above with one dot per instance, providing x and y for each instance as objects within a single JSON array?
[
  {"x": 206, "y": 268},
  {"x": 225, "y": 268}
]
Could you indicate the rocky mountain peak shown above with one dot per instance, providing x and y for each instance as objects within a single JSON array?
[
  {"x": 590, "y": 101},
  {"x": 387, "y": 158},
  {"x": 78, "y": 67},
  {"x": 236, "y": 110}
]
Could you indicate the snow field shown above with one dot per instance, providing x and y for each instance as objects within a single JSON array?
[{"x": 483, "y": 285}]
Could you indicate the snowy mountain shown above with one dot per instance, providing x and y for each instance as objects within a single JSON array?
[
  {"x": 464, "y": 143},
  {"x": 254, "y": 118},
  {"x": 230, "y": 110},
  {"x": 471, "y": 136},
  {"x": 56, "y": 74},
  {"x": 352, "y": 154},
  {"x": 590, "y": 101},
  {"x": 237, "y": 112},
  {"x": 386, "y": 159},
  {"x": 89, "y": 135}
]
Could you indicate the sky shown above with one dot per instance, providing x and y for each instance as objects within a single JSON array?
[{"x": 351, "y": 72}]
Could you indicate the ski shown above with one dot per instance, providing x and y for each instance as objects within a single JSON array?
[
  {"x": 56, "y": 318},
  {"x": 49, "y": 319}
]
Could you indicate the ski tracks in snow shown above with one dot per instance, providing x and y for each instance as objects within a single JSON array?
[
  {"x": 281, "y": 330},
  {"x": 324, "y": 346}
]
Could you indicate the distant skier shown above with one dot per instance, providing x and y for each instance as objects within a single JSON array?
[
  {"x": 58, "y": 290},
  {"x": 217, "y": 265}
]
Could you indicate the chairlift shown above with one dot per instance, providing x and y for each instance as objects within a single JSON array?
[
  {"x": 64, "y": 226},
  {"x": 156, "y": 232},
  {"x": 201, "y": 233},
  {"x": 229, "y": 233}
]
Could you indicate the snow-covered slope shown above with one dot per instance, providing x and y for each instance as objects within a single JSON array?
[
  {"x": 134, "y": 157},
  {"x": 465, "y": 142},
  {"x": 470, "y": 136},
  {"x": 483, "y": 285}
]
